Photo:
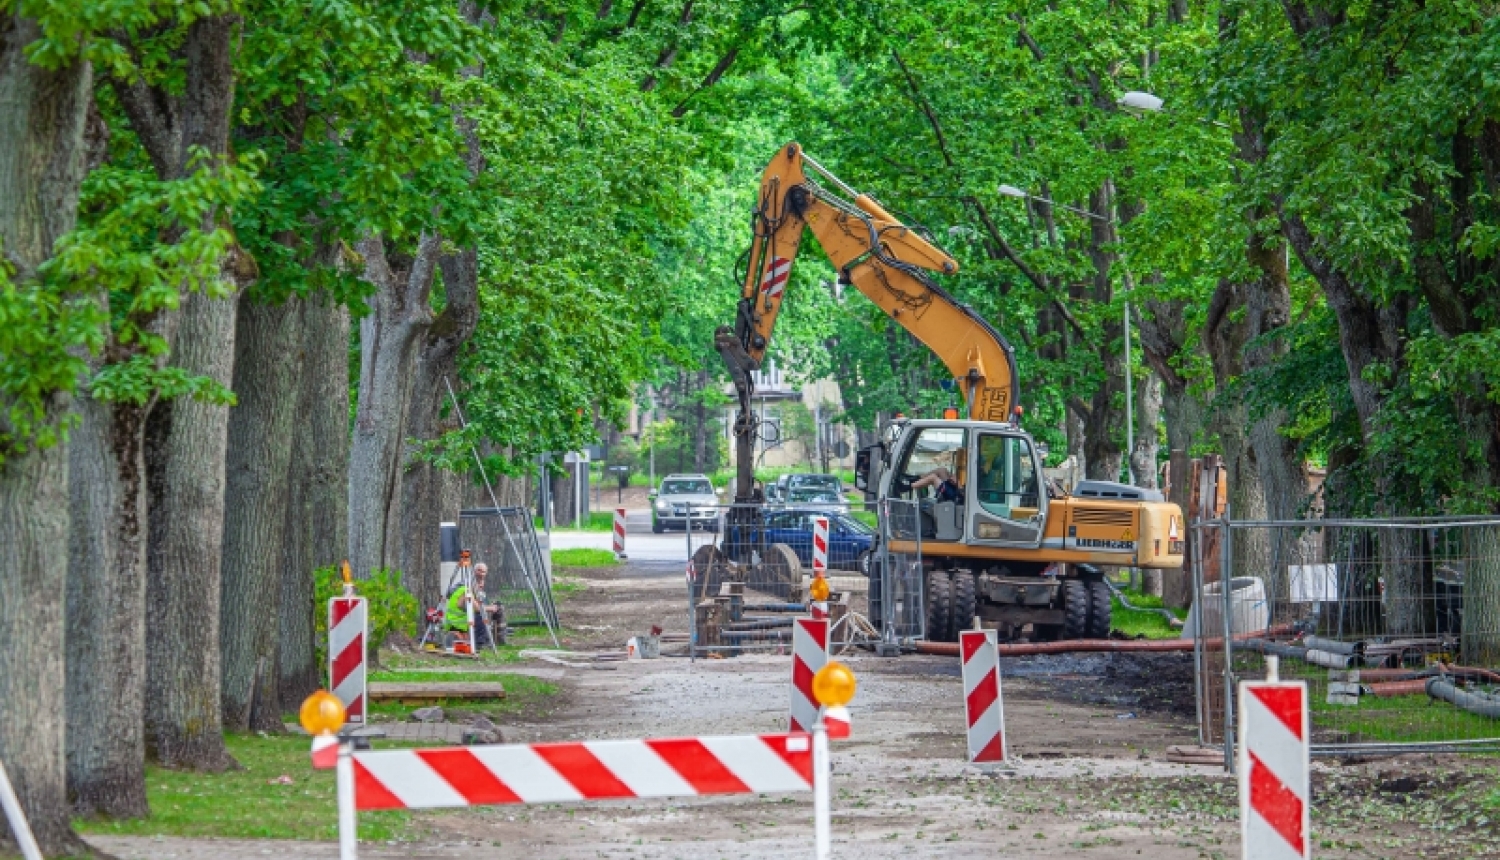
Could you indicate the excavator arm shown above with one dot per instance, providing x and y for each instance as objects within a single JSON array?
[{"x": 884, "y": 260}]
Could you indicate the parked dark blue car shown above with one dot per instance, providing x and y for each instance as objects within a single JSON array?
[{"x": 849, "y": 540}]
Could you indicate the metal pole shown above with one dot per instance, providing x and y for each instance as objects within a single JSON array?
[
  {"x": 1226, "y": 587},
  {"x": 1129, "y": 407},
  {"x": 348, "y": 823},
  {"x": 20, "y": 829},
  {"x": 821, "y": 795}
]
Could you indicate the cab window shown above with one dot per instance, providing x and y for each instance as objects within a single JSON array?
[
  {"x": 935, "y": 448},
  {"x": 1007, "y": 477}
]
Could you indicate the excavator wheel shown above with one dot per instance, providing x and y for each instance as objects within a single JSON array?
[
  {"x": 1099, "y": 608},
  {"x": 963, "y": 601},
  {"x": 712, "y": 569},
  {"x": 1075, "y": 609},
  {"x": 781, "y": 572},
  {"x": 939, "y": 606}
]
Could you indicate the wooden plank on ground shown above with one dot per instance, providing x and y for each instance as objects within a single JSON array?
[{"x": 411, "y": 692}]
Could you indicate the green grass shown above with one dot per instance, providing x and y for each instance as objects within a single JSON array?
[
  {"x": 399, "y": 676},
  {"x": 1395, "y": 718},
  {"x": 599, "y": 521},
  {"x": 1132, "y": 622},
  {"x": 246, "y": 804},
  {"x": 583, "y": 557}
]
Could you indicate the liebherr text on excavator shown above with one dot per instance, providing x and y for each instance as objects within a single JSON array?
[{"x": 1011, "y": 548}]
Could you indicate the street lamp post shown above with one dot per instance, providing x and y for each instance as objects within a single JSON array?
[{"x": 1013, "y": 191}]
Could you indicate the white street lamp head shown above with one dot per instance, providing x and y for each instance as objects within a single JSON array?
[
  {"x": 1139, "y": 101},
  {"x": 1012, "y": 191}
]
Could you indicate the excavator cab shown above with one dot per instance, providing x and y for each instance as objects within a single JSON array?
[{"x": 993, "y": 495}]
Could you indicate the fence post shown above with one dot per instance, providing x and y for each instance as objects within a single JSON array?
[
  {"x": 1226, "y": 589},
  {"x": 19, "y": 827}
]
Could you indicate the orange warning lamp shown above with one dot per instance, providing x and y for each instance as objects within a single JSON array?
[
  {"x": 819, "y": 588},
  {"x": 950, "y": 414},
  {"x": 834, "y": 684},
  {"x": 322, "y": 713},
  {"x": 348, "y": 577}
]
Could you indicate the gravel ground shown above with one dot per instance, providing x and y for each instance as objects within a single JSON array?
[{"x": 1089, "y": 778}]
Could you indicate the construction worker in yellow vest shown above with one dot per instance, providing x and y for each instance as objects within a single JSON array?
[{"x": 456, "y": 617}]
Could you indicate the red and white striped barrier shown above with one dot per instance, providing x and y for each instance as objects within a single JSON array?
[
  {"x": 820, "y": 546},
  {"x": 595, "y": 770},
  {"x": 325, "y": 752},
  {"x": 619, "y": 533},
  {"x": 836, "y": 722},
  {"x": 809, "y": 654},
  {"x": 983, "y": 705},
  {"x": 348, "y": 631},
  {"x": 1273, "y": 769}
]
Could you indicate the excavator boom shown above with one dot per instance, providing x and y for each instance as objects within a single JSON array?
[{"x": 886, "y": 261}]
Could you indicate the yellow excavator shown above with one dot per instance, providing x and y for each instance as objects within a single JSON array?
[{"x": 988, "y": 535}]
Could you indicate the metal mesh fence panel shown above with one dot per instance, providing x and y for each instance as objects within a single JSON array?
[
  {"x": 749, "y": 572},
  {"x": 1394, "y": 625},
  {"x": 505, "y": 540},
  {"x": 902, "y": 607}
]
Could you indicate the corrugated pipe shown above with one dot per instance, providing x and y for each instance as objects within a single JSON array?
[
  {"x": 1475, "y": 703},
  {"x": 1389, "y": 689},
  {"x": 1333, "y": 646},
  {"x": 1297, "y": 652},
  {"x": 1173, "y": 620}
]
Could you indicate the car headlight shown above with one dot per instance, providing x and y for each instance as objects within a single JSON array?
[{"x": 662, "y": 506}]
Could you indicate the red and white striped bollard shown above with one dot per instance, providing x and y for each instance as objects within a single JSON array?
[
  {"x": 984, "y": 708},
  {"x": 620, "y": 533},
  {"x": 809, "y": 654},
  {"x": 1274, "y": 768},
  {"x": 348, "y": 637}
]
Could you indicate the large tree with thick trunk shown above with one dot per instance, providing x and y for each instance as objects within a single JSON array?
[
  {"x": 186, "y": 439},
  {"x": 42, "y": 150}
]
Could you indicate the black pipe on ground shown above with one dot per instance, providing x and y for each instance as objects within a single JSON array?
[{"x": 1479, "y": 704}]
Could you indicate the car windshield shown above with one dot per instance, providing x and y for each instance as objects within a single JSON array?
[
  {"x": 821, "y": 497},
  {"x": 686, "y": 487},
  {"x": 853, "y": 525},
  {"x": 827, "y": 482}
]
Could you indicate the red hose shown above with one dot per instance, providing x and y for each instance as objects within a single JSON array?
[
  {"x": 1398, "y": 688},
  {"x": 1068, "y": 646},
  {"x": 1078, "y": 646}
]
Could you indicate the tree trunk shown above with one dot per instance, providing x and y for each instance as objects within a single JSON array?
[
  {"x": 388, "y": 337},
  {"x": 185, "y": 448},
  {"x": 261, "y": 434},
  {"x": 42, "y": 116},
  {"x": 427, "y": 491},
  {"x": 186, "y": 439},
  {"x": 317, "y": 519},
  {"x": 564, "y": 488},
  {"x": 1143, "y": 457},
  {"x": 1184, "y": 416},
  {"x": 106, "y": 610}
]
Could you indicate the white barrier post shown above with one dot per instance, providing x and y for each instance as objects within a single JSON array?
[
  {"x": 809, "y": 655},
  {"x": 822, "y": 797},
  {"x": 20, "y": 828},
  {"x": 348, "y": 821},
  {"x": 620, "y": 534},
  {"x": 984, "y": 708},
  {"x": 1274, "y": 768}
]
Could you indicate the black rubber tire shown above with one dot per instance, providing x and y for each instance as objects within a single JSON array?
[
  {"x": 939, "y": 606},
  {"x": 876, "y": 595},
  {"x": 865, "y": 563},
  {"x": 1075, "y": 609},
  {"x": 963, "y": 602},
  {"x": 1099, "y": 609},
  {"x": 709, "y": 563}
]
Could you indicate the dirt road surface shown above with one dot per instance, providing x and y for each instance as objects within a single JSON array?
[{"x": 1089, "y": 777}]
